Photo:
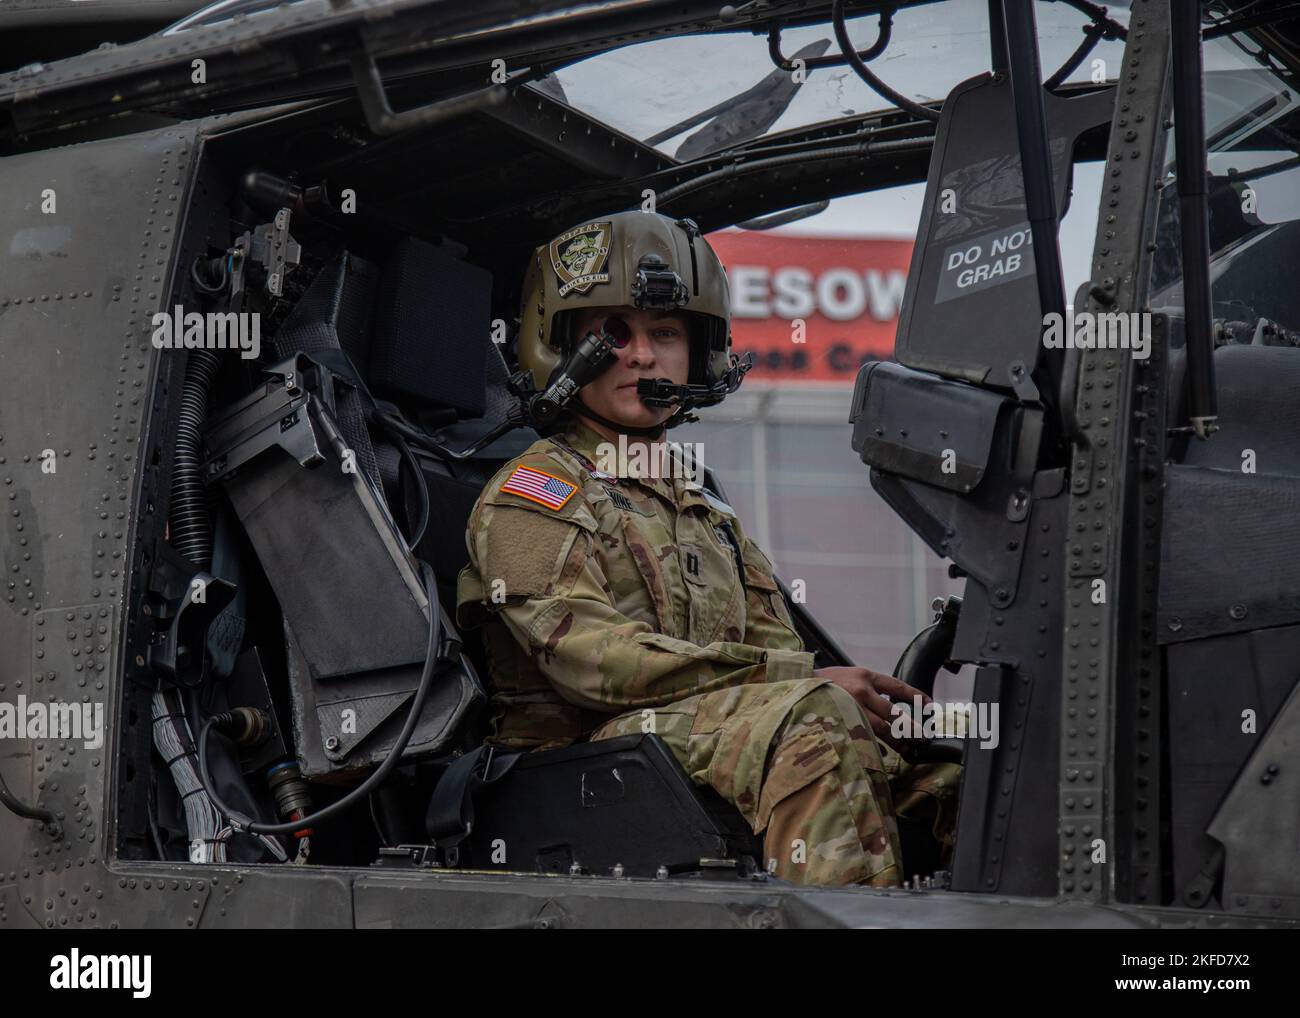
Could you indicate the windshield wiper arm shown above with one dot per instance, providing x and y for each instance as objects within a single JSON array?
[{"x": 763, "y": 104}]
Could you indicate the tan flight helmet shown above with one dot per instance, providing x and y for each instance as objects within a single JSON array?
[{"x": 641, "y": 259}]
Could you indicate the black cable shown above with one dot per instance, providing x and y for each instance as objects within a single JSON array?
[
  {"x": 402, "y": 434},
  {"x": 243, "y": 823},
  {"x": 399, "y": 426},
  {"x": 856, "y": 62},
  {"x": 151, "y": 806},
  {"x": 1099, "y": 27},
  {"x": 374, "y": 819},
  {"x": 202, "y": 285},
  {"x": 421, "y": 486},
  {"x": 1092, "y": 33},
  {"x": 813, "y": 63},
  {"x": 1097, "y": 14},
  {"x": 515, "y": 417},
  {"x": 17, "y": 806}
]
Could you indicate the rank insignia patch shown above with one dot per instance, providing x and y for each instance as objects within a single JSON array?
[
  {"x": 579, "y": 256},
  {"x": 540, "y": 487}
]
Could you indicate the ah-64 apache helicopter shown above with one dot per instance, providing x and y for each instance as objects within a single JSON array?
[{"x": 184, "y": 546}]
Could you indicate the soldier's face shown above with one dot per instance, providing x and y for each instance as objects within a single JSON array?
[{"x": 659, "y": 347}]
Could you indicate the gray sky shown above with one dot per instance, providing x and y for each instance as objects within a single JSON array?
[{"x": 646, "y": 87}]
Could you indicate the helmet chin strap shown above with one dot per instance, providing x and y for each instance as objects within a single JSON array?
[{"x": 577, "y": 406}]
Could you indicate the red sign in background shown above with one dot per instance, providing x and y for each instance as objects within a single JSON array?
[{"x": 846, "y": 291}]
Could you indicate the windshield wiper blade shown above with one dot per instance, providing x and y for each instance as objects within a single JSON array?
[{"x": 741, "y": 118}]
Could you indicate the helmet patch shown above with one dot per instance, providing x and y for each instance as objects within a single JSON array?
[{"x": 579, "y": 256}]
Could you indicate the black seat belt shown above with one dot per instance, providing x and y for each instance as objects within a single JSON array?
[{"x": 450, "y": 817}]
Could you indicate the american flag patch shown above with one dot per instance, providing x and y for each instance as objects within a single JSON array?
[{"x": 539, "y": 487}]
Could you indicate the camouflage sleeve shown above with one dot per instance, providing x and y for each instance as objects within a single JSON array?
[
  {"x": 540, "y": 576},
  {"x": 768, "y": 622}
]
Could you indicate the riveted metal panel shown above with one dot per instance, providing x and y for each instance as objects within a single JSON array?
[
  {"x": 1259, "y": 826},
  {"x": 1109, "y": 627},
  {"x": 432, "y": 899},
  {"x": 1007, "y": 820},
  {"x": 1139, "y": 687},
  {"x": 278, "y": 897},
  {"x": 86, "y": 242}
]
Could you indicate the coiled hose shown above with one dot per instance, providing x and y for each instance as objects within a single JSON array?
[{"x": 191, "y": 524}]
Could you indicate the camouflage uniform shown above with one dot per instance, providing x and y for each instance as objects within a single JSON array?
[{"x": 627, "y": 600}]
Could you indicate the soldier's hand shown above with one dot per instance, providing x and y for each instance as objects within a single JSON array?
[{"x": 876, "y": 693}]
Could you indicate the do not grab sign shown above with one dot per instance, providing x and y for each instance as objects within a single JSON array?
[{"x": 982, "y": 262}]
